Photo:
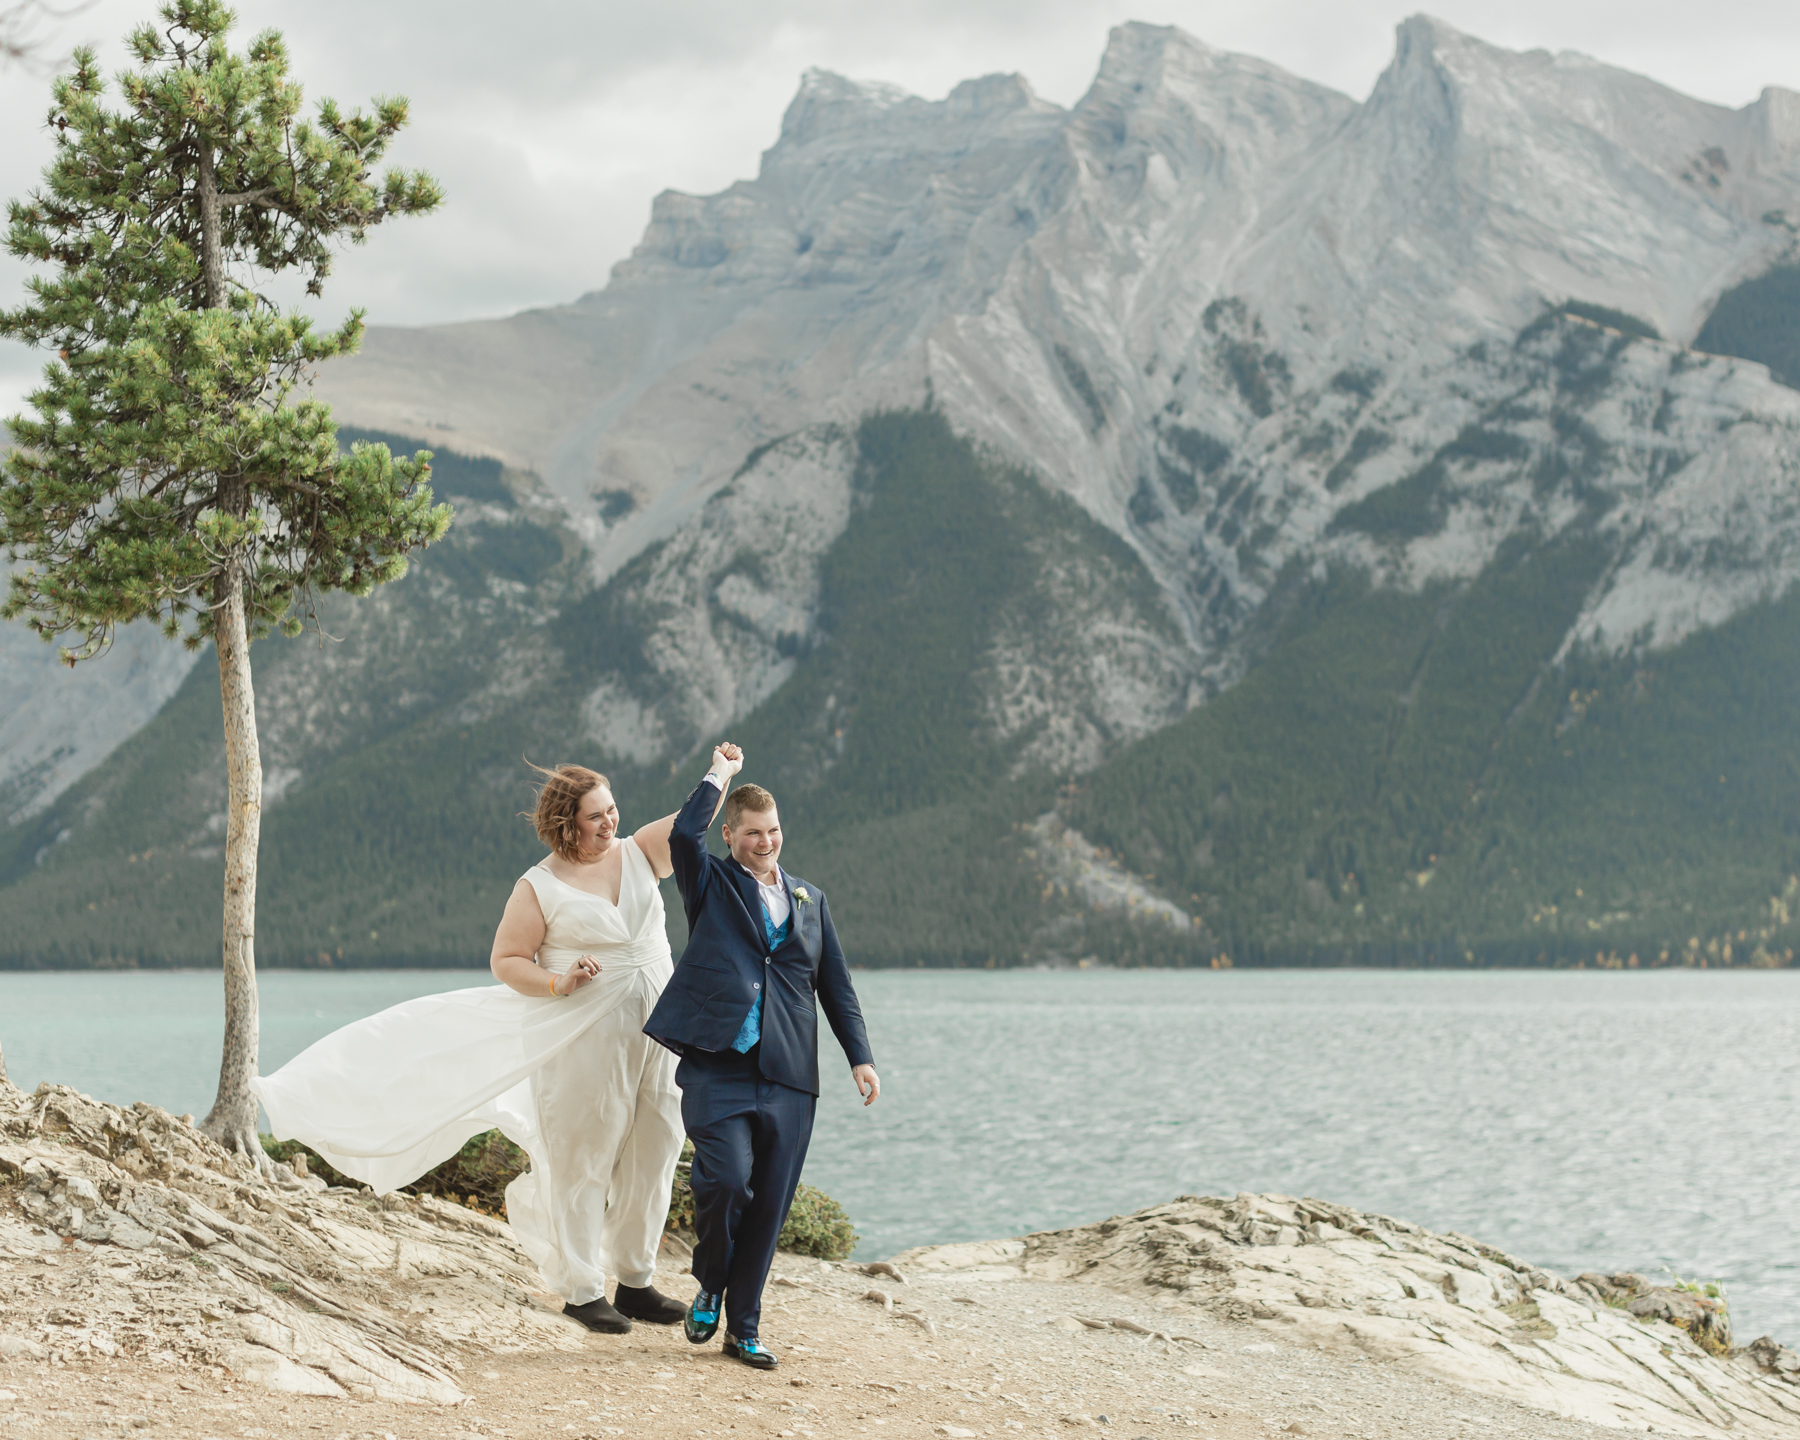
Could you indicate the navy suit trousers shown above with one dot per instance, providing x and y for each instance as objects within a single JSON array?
[{"x": 750, "y": 1137}]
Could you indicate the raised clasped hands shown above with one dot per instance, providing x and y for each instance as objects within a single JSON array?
[
  {"x": 727, "y": 759},
  {"x": 577, "y": 975}
]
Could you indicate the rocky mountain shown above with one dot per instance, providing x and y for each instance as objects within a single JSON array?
[{"x": 1218, "y": 518}]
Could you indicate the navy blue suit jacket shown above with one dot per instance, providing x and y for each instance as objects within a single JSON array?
[{"x": 727, "y": 964}]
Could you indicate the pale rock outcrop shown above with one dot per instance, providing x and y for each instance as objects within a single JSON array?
[
  {"x": 130, "y": 1233},
  {"x": 57, "y": 724},
  {"x": 1072, "y": 864},
  {"x": 728, "y": 604},
  {"x": 723, "y": 610},
  {"x": 1613, "y": 1350}
]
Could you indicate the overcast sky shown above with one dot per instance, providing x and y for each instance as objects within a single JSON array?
[{"x": 552, "y": 125}]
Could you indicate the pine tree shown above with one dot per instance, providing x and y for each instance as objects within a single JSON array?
[{"x": 174, "y": 467}]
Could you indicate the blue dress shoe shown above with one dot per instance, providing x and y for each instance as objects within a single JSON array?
[
  {"x": 751, "y": 1353},
  {"x": 701, "y": 1322}
]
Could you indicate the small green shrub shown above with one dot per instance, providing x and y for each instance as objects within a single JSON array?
[
  {"x": 1179, "y": 483},
  {"x": 1083, "y": 385},
  {"x": 1144, "y": 508},
  {"x": 1248, "y": 368},
  {"x": 478, "y": 1174},
  {"x": 1357, "y": 380},
  {"x": 615, "y": 504},
  {"x": 1629, "y": 325},
  {"x": 817, "y": 1226},
  {"x": 1475, "y": 442}
]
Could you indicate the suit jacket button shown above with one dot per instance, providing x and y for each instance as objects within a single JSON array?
[{"x": 757, "y": 986}]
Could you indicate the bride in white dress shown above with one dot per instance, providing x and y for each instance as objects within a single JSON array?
[{"x": 556, "y": 1059}]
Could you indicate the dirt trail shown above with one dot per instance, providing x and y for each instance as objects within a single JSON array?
[{"x": 1015, "y": 1363}]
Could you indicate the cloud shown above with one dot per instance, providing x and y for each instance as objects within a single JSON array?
[{"x": 552, "y": 126}]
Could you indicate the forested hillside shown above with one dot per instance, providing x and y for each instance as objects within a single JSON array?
[
  {"x": 1401, "y": 778},
  {"x": 1416, "y": 780},
  {"x": 1218, "y": 520},
  {"x": 404, "y": 844}
]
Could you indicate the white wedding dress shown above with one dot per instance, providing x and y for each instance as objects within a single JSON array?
[{"x": 574, "y": 1082}]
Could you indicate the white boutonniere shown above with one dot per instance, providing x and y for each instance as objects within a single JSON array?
[{"x": 801, "y": 895}]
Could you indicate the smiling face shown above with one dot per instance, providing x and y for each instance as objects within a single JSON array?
[
  {"x": 755, "y": 840},
  {"x": 597, "y": 820}
]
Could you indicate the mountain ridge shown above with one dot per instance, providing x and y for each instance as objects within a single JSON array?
[{"x": 1211, "y": 348}]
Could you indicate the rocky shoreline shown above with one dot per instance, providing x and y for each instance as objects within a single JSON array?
[
  {"x": 132, "y": 1245},
  {"x": 1614, "y": 1350}
]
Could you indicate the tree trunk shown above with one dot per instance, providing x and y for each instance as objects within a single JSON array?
[
  {"x": 232, "y": 1121},
  {"x": 212, "y": 256}
]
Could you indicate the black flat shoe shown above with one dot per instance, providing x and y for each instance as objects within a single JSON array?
[
  {"x": 701, "y": 1319},
  {"x": 751, "y": 1353},
  {"x": 599, "y": 1317},
  {"x": 646, "y": 1304}
]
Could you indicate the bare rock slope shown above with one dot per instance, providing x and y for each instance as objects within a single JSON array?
[
  {"x": 1216, "y": 303},
  {"x": 128, "y": 1232},
  {"x": 1610, "y": 1350}
]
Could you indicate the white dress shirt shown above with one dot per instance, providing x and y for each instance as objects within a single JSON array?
[{"x": 775, "y": 900}]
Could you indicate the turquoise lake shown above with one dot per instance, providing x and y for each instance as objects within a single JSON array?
[{"x": 1582, "y": 1120}]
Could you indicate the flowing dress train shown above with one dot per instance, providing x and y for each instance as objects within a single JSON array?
[{"x": 574, "y": 1082}]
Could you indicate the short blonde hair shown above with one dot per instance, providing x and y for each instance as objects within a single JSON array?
[
  {"x": 748, "y": 797},
  {"x": 559, "y": 806}
]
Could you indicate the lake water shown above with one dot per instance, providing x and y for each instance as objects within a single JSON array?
[{"x": 1581, "y": 1120}]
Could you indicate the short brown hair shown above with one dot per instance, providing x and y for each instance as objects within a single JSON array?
[
  {"x": 748, "y": 797},
  {"x": 559, "y": 803}
]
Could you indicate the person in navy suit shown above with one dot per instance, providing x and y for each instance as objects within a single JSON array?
[{"x": 740, "y": 1012}]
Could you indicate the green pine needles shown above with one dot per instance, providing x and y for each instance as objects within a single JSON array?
[
  {"x": 167, "y": 452},
  {"x": 173, "y": 467}
]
